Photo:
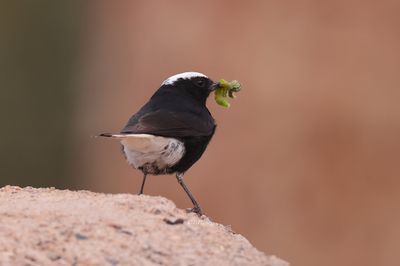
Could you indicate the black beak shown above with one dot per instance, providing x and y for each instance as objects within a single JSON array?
[{"x": 214, "y": 86}]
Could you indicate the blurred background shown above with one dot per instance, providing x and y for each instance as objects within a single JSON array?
[{"x": 305, "y": 163}]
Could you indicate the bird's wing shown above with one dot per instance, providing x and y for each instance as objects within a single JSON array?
[{"x": 170, "y": 124}]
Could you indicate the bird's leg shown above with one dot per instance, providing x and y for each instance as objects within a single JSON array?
[
  {"x": 196, "y": 206},
  {"x": 142, "y": 187}
]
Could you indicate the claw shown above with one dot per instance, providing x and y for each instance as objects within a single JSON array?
[{"x": 196, "y": 209}]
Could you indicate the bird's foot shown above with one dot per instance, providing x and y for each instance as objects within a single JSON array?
[{"x": 196, "y": 209}]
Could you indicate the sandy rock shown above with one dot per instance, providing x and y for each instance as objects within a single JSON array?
[{"x": 59, "y": 227}]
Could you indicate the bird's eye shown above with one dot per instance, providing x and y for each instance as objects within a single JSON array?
[{"x": 200, "y": 83}]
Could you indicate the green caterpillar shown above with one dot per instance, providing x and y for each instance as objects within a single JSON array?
[{"x": 226, "y": 89}]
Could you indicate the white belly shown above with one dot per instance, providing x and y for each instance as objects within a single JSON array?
[{"x": 152, "y": 154}]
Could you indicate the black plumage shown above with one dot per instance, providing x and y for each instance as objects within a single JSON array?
[{"x": 177, "y": 110}]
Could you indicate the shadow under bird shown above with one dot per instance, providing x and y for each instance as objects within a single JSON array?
[{"x": 172, "y": 130}]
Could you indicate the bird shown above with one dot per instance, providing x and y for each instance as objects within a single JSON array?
[{"x": 171, "y": 131}]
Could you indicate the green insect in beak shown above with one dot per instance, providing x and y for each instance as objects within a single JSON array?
[{"x": 226, "y": 89}]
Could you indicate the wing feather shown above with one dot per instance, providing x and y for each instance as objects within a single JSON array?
[{"x": 170, "y": 124}]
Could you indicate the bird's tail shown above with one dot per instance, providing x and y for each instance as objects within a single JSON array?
[
  {"x": 116, "y": 135},
  {"x": 140, "y": 142},
  {"x": 112, "y": 135},
  {"x": 125, "y": 136},
  {"x": 107, "y": 135}
]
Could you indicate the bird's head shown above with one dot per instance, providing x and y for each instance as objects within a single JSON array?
[{"x": 191, "y": 84}]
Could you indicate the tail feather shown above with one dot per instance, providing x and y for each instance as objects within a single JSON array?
[
  {"x": 107, "y": 135},
  {"x": 116, "y": 135},
  {"x": 140, "y": 142},
  {"x": 124, "y": 136}
]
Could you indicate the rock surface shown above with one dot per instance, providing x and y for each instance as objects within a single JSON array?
[{"x": 59, "y": 227}]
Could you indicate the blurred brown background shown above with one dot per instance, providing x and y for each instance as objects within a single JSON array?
[{"x": 305, "y": 163}]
